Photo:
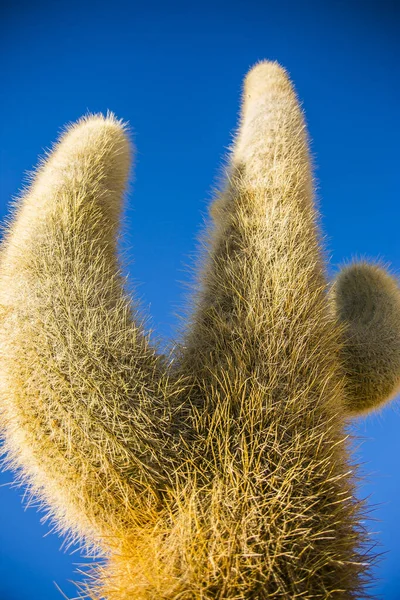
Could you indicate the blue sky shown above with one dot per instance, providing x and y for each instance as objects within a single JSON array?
[{"x": 174, "y": 71}]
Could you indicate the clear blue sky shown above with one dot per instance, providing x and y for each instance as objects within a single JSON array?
[{"x": 174, "y": 71}]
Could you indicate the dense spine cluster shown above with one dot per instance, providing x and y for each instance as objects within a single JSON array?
[{"x": 224, "y": 473}]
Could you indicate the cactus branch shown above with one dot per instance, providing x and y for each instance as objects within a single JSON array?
[
  {"x": 367, "y": 303},
  {"x": 262, "y": 352},
  {"x": 84, "y": 395},
  {"x": 263, "y": 251}
]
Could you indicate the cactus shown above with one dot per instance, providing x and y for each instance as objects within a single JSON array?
[
  {"x": 367, "y": 301},
  {"x": 220, "y": 470}
]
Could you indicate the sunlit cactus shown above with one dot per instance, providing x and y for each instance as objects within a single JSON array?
[
  {"x": 221, "y": 471},
  {"x": 367, "y": 302}
]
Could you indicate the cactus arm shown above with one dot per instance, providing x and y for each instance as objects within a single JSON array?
[
  {"x": 263, "y": 254},
  {"x": 367, "y": 302},
  {"x": 83, "y": 393},
  {"x": 263, "y": 351}
]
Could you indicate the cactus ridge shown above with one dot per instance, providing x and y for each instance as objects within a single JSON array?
[{"x": 221, "y": 470}]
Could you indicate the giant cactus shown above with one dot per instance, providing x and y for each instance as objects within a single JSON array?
[{"x": 221, "y": 471}]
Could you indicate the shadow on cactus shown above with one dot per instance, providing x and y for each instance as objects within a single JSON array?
[{"x": 221, "y": 471}]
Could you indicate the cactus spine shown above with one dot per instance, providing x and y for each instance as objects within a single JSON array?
[{"x": 225, "y": 473}]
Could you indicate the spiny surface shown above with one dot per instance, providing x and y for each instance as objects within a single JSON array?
[
  {"x": 82, "y": 391},
  {"x": 367, "y": 303},
  {"x": 223, "y": 471}
]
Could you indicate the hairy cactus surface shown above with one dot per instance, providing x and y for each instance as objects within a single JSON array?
[{"x": 221, "y": 471}]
